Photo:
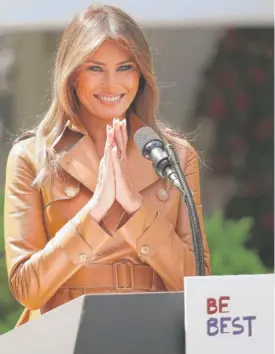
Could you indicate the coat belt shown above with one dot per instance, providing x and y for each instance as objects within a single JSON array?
[{"x": 120, "y": 275}]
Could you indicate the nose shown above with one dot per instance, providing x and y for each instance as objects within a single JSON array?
[{"x": 110, "y": 82}]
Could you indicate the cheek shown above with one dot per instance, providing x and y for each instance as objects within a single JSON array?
[
  {"x": 132, "y": 82},
  {"x": 84, "y": 87}
]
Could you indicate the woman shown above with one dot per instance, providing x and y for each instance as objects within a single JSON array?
[{"x": 84, "y": 211}]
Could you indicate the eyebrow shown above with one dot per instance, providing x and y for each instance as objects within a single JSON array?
[{"x": 103, "y": 64}]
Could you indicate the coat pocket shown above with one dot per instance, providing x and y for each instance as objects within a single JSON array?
[{"x": 59, "y": 189}]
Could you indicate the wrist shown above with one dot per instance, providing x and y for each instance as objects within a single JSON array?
[{"x": 97, "y": 212}]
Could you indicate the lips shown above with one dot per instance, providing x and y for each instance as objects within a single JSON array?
[{"x": 110, "y": 98}]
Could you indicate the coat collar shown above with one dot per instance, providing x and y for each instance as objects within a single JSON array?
[{"x": 82, "y": 160}]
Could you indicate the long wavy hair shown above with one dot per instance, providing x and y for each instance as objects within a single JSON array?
[{"x": 87, "y": 31}]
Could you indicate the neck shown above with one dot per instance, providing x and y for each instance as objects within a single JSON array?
[{"x": 95, "y": 126}]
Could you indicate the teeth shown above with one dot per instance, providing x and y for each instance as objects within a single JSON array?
[{"x": 109, "y": 99}]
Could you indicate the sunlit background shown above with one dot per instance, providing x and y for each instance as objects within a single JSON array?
[{"x": 214, "y": 61}]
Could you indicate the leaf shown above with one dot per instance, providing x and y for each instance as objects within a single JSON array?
[{"x": 226, "y": 239}]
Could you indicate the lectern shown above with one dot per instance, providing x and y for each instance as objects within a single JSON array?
[{"x": 146, "y": 323}]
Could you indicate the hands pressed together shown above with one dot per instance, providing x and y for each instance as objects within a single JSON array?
[{"x": 113, "y": 182}]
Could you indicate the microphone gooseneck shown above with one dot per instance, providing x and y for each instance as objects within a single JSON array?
[
  {"x": 166, "y": 164},
  {"x": 192, "y": 211}
]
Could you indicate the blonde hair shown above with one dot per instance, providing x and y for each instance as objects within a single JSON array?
[{"x": 87, "y": 31}]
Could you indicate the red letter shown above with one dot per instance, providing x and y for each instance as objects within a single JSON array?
[
  {"x": 223, "y": 304},
  {"x": 211, "y": 306}
]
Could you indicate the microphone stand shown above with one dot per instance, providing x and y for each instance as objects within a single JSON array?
[{"x": 187, "y": 197}]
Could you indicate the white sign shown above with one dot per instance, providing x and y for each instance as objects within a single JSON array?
[{"x": 229, "y": 314}]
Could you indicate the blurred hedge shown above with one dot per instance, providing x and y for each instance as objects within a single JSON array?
[{"x": 226, "y": 240}]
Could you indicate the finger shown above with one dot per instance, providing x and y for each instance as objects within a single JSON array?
[
  {"x": 109, "y": 162},
  {"x": 116, "y": 164},
  {"x": 109, "y": 139},
  {"x": 123, "y": 128},
  {"x": 118, "y": 136},
  {"x": 112, "y": 141}
]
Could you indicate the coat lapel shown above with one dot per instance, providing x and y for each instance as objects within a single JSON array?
[{"x": 82, "y": 161}]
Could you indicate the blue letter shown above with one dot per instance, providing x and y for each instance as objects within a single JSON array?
[
  {"x": 249, "y": 319},
  {"x": 223, "y": 324},
  {"x": 236, "y": 325},
  {"x": 212, "y": 322}
]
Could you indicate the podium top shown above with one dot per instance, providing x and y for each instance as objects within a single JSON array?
[{"x": 100, "y": 324}]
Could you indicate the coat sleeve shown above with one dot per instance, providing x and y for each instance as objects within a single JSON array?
[
  {"x": 168, "y": 249},
  {"x": 38, "y": 267}
]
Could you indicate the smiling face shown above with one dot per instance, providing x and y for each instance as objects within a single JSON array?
[{"x": 107, "y": 83}]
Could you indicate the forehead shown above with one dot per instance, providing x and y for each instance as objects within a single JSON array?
[{"x": 111, "y": 50}]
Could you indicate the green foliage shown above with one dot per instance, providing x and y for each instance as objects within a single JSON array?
[{"x": 226, "y": 239}]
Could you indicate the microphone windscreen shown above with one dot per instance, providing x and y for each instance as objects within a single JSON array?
[{"x": 143, "y": 136}]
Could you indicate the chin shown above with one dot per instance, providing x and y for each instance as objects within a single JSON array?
[{"x": 116, "y": 113}]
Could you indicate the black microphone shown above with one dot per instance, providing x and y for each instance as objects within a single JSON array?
[{"x": 152, "y": 148}]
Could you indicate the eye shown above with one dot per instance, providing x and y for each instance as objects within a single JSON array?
[
  {"x": 95, "y": 68},
  {"x": 125, "y": 67}
]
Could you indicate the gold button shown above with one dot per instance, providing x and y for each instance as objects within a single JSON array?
[
  {"x": 144, "y": 250},
  {"x": 83, "y": 257},
  {"x": 70, "y": 191},
  {"x": 162, "y": 195}
]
